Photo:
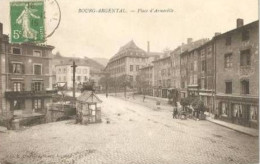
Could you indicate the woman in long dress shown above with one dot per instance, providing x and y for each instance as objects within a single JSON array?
[{"x": 24, "y": 20}]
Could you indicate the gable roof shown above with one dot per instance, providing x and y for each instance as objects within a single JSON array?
[{"x": 89, "y": 97}]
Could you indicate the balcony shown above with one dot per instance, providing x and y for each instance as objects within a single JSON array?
[{"x": 29, "y": 94}]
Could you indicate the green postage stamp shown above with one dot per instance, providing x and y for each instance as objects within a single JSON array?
[{"x": 27, "y": 21}]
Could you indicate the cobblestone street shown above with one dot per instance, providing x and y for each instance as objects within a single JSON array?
[{"x": 135, "y": 134}]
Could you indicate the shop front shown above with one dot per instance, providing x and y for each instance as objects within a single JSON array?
[{"x": 238, "y": 110}]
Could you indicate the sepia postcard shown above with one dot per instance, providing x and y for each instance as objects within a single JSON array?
[{"x": 129, "y": 82}]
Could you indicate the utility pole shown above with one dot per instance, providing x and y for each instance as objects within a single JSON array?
[{"x": 73, "y": 79}]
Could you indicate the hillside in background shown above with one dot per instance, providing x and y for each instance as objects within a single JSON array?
[
  {"x": 102, "y": 61},
  {"x": 95, "y": 66}
]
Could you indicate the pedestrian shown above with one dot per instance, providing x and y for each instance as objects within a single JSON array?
[
  {"x": 175, "y": 112},
  {"x": 143, "y": 98},
  {"x": 106, "y": 94}
]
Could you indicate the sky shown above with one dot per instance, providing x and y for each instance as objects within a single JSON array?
[{"x": 101, "y": 35}]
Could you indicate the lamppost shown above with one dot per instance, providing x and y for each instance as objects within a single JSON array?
[{"x": 74, "y": 66}]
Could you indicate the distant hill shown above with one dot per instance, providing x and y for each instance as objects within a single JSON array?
[
  {"x": 94, "y": 65},
  {"x": 102, "y": 61}
]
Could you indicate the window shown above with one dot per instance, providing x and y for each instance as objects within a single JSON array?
[
  {"x": 195, "y": 65},
  {"x": 137, "y": 67},
  {"x": 131, "y": 78},
  {"x": 182, "y": 85},
  {"x": 37, "y": 69},
  {"x": 18, "y": 104},
  {"x": 78, "y": 78},
  {"x": 16, "y": 68},
  {"x": 17, "y": 86},
  {"x": 228, "y": 60},
  {"x": 64, "y": 78},
  {"x": 37, "y": 86},
  {"x": 228, "y": 40},
  {"x": 195, "y": 79},
  {"x": 253, "y": 113},
  {"x": 37, "y": 53},
  {"x": 224, "y": 108},
  {"x": 17, "y": 51},
  {"x": 64, "y": 70},
  {"x": 203, "y": 65},
  {"x": 229, "y": 87},
  {"x": 236, "y": 109},
  {"x": 202, "y": 83},
  {"x": 131, "y": 68},
  {"x": 37, "y": 104},
  {"x": 245, "y": 87},
  {"x": 245, "y": 35},
  {"x": 245, "y": 58}
]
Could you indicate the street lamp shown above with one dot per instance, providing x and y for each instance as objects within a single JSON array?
[{"x": 74, "y": 66}]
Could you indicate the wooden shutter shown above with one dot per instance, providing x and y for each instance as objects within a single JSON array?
[
  {"x": 23, "y": 68},
  {"x": 22, "y": 87},
  {"x": 33, "y": 88},
  {"x": 10, "y": 67},
  {"x": 33, "y": 103},
  {"x": 42, "y": 103},
  {"x": 42, "y": 86}
]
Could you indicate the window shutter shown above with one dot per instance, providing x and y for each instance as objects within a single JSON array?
[
  {"x": 10, "y": 67},
  {"x": 22, "y": 87},
  {"x": 33, "y": 103},
  {"x": 42, "y": 103},
  {"x": 23, "y": 68},
  {"x": 43, "y": 86},
  {"x": 33, "y": 88}
]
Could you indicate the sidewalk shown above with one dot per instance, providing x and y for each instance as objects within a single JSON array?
[
  {"x": 150, "y": 102},
  {"x": 238, "y": 128}
]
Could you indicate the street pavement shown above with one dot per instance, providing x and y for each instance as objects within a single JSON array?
[{"x": 136, "y": 133}]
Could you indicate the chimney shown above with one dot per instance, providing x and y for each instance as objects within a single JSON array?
[
  {"x": 240, "y": 22},
  {"x": 148, "y": 47},
  {"x": 1, "y": 30},
  {"x": 217, "y": 33},
  {"x": 189, "y": 40}
]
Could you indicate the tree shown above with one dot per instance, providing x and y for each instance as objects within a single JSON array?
[
  {"x": 124, "y": 82},
  {"x": 88, "y": 86}
]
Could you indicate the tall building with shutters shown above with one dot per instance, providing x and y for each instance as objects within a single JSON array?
[{"x": 26, "y": 78}]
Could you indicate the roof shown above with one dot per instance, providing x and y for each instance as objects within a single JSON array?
[
  {"x": 252, "y": 24},
  {"x": 155, "y": 54},
  {"x": 89, "y": 97},
  {"x": 163, "y": 58},
  {"x": 130, "y": 46},
  {"x": 188, "y": 47}
]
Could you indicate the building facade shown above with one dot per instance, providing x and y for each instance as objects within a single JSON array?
[
  {"x": 206, "y": 74},
  {"x": 26, "y": 79},
  {"x": 64, "y": 74},
  {"x": 237, "y": 72},
  {"x": 146, "y": 75},
  {"x": 162, "y": 76},
  {"x": 127, "y": 62}
]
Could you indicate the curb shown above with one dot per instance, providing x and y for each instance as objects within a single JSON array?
[{"x": 240, "y": 131}]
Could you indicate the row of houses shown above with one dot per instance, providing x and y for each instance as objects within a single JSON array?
[
  {"x": 222, "y": 71},
  {"x": 85, "y": 72},
  {"x": 25, "y": 78},
  {"x": 29, "y": 73}
]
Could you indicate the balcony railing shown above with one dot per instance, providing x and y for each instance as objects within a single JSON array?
[{"x": 29, "y": 94}]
